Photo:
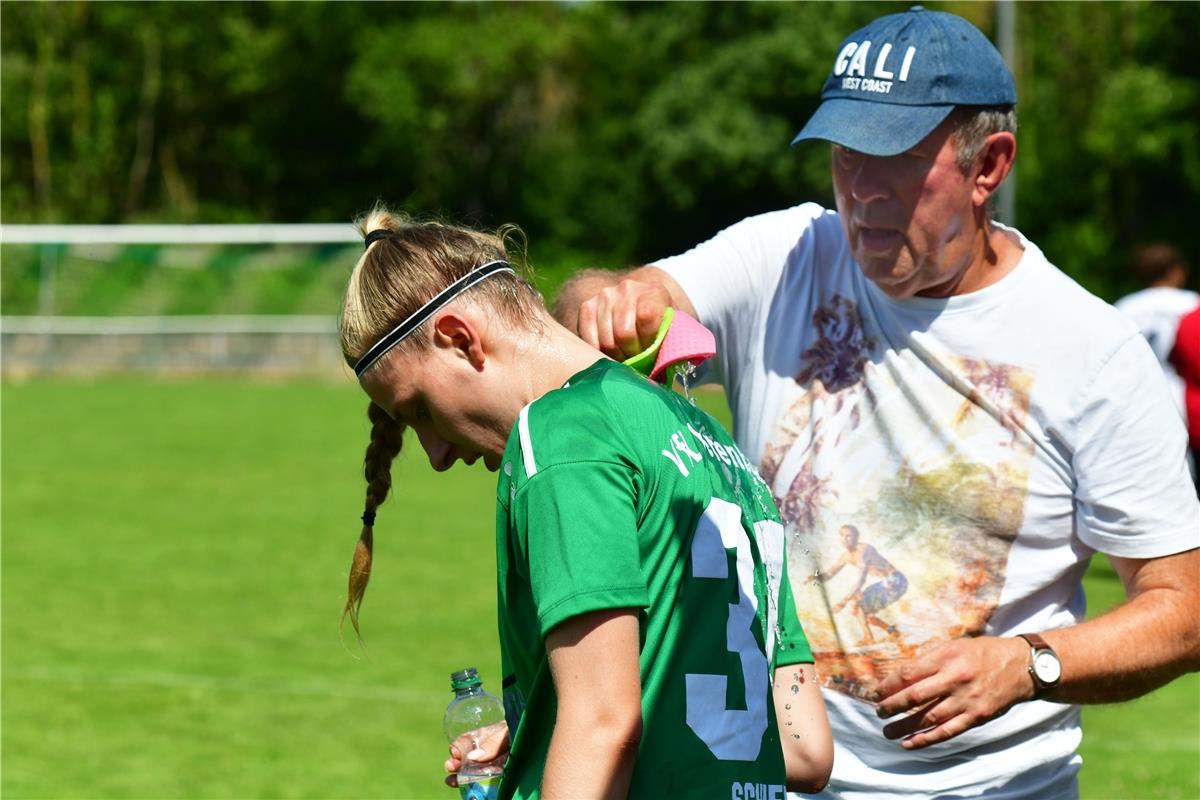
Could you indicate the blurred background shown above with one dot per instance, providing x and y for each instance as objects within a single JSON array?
[{"x": 181, "y": 444}]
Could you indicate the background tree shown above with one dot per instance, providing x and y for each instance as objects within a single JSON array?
[{"x": 612, "y": 133}]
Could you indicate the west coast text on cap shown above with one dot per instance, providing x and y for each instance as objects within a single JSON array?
[{"x": 896, "y": 79}]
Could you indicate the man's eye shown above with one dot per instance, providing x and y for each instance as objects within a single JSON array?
[{"x": 845, "y": 156}]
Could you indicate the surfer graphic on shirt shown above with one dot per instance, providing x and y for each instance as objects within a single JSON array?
[{"x": 870, "y": 599}]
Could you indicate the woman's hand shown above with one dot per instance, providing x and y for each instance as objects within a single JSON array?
[{"x": 487, "y": 745}]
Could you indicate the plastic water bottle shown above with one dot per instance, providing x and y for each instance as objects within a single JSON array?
[{"x": 471, "y": 709}]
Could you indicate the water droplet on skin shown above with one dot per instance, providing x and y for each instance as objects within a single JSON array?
[
  {"x": 789, "y": 724},
  {"x": 796, "y": 689},
  {"x": 787, "y": 706},
  {"x": 795, "y": 736}
]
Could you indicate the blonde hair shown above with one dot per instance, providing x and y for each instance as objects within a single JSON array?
[{"x": 395, "y": 276}]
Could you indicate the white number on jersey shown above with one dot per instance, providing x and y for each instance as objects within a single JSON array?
[{"x": 735, "y": 734}]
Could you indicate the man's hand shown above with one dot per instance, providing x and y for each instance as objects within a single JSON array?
[
  {"x": 483, "y": 746},
  {"x": 1132, "y": 649},
  {"x": 623, "y": 320},
  {"x": 619, "y": 313},
  {"x": 954, "y": 687}
]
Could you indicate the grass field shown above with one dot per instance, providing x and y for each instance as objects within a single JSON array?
[{"x": 174, "y": 558}]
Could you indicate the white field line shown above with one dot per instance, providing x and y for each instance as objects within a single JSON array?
[
  {"x": 317, "y": 233},
  {"x": 211, "y": 683}
]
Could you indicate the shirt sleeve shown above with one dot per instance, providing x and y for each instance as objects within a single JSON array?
[
  {"x": 793, "y": 644},
  {"x": 579, "y": 527},
  {"x": 1134, "y": 495}
]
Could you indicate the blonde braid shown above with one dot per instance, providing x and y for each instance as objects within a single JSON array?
[{"x": 386, "y": 439}]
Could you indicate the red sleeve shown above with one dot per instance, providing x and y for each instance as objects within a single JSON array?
[{"x": 1186, "y": 359}]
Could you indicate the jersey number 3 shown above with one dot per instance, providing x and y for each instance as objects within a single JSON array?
[{"x": 736, "y": 734}]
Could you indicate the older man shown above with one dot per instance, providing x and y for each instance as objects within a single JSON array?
[{"x": 911, "y": 370}]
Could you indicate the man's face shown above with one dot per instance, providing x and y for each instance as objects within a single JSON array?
[{"x": 908, "y": 217}]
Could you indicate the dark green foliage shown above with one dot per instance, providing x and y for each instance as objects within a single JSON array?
[{"x": 612, "y": 133}]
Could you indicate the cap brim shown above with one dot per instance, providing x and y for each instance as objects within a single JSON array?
[{"x": 877, "y": 129}]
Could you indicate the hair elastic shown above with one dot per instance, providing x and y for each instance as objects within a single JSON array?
[
  {"x": 418, "y": 317},
  {"x": 368, "y": 518},
  {"x": 375, "y": 236}
]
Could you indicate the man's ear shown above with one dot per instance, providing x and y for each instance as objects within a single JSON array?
[
  {"x": 995, "y": 162},
  {"x": 459, "y": 334}
]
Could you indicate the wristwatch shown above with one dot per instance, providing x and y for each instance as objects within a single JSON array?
[{"x": 1044, "y": 666}]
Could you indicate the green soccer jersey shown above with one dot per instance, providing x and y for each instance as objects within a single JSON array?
[{"x": 616, "y": 493}]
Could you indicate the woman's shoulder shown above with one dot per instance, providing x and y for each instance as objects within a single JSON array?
[{"x": 606, "y": 412}]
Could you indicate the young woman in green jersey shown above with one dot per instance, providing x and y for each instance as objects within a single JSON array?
[{"x": 649, "y": 638}]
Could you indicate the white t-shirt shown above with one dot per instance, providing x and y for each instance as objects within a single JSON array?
[
  {"x": 1156, "y": 312},
  {"x": 982, "y": 447}
]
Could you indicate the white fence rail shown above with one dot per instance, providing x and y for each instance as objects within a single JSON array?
[{"x": 279, "y": 344}]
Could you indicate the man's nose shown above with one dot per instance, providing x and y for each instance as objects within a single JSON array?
[
  {"x": 440, "y": 452},
  {"x": 869, "y": 181}
]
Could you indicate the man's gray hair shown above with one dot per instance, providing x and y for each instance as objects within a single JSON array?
[{"x": 973, "y": 124}]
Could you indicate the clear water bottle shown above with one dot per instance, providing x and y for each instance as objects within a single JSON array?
[{"x": 471, "y": 709}]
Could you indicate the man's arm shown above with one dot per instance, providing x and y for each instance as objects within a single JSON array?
[
  {"x": 619, "y": 312},
  {"x": 1150, "y": 639},
  {"x": 594, "y": 664},
  {"x": 803, "y": 728},
  {"x": 828, "y": 574}
]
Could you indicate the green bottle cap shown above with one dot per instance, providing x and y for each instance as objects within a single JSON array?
[{"x": 465, "y": 678}]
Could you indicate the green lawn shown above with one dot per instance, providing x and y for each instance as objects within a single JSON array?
[{"x": 174, "y": 560}]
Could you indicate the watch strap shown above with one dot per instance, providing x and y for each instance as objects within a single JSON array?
[{"x": 1036, "y": 642}]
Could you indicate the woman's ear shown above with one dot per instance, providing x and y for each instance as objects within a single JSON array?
[{"x": 458, "y": 333}]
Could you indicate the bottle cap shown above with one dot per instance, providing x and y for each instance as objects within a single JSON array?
[{"x": 465, "y": 678}]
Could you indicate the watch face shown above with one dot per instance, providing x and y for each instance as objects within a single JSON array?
[{"x": 1046, "y": 667}]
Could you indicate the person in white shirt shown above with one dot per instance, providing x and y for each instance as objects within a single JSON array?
[
  {"x": 1157, "y": 309},
  {"x": 908, "y": 369}
]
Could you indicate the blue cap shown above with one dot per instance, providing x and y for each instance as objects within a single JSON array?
[{"x": 896, "y": 79}]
